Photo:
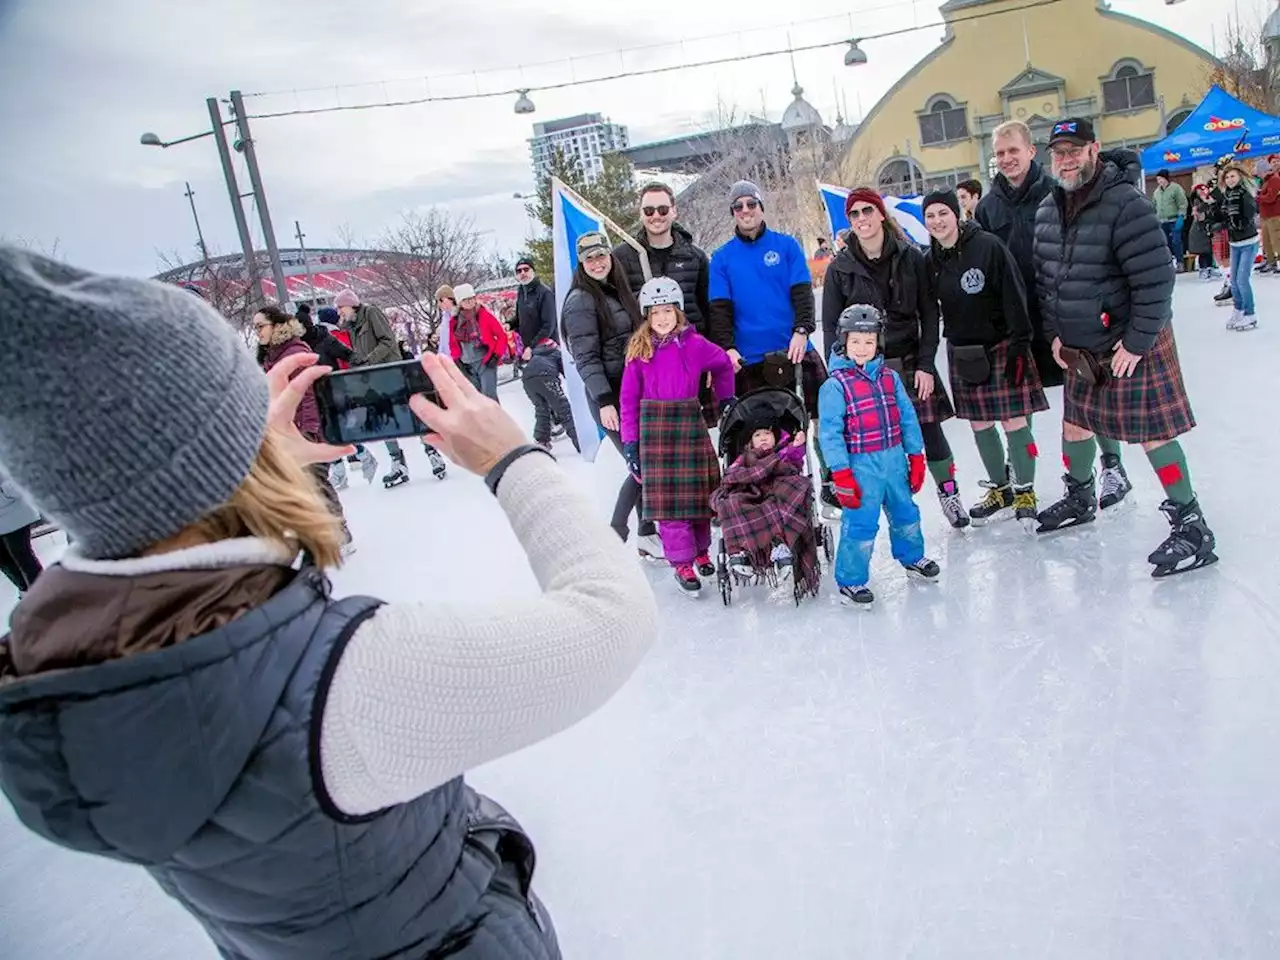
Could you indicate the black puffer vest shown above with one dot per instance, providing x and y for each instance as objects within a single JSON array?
[{"x": 200, "y": 762}]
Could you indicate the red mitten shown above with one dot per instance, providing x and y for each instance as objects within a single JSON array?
[
  {"x": 915, "y": 471},
  {"x": 846, "y": 488}
]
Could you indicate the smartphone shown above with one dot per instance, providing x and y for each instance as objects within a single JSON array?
[{"x": 364, "y": 404}]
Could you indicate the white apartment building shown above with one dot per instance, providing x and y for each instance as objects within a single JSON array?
[{"x": 586, "y": 138}]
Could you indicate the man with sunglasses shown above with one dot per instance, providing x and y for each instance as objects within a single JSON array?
[
  {"x": 1105, "y": 282},
  {"x": 672, "y": 252}
]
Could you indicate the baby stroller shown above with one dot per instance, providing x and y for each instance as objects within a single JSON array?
[{"x": 785, "y": 409}]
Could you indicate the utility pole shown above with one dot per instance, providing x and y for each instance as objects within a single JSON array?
[
  {"x": 237, "y": 207},
  {"x": 306, "y": 264},
  {"x": 260, "y": 196},
  {"x": 191, "y": 198}
]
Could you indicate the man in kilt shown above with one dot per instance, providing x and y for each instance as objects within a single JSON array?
[
  {"x": 1105, "y": 283},
  {"x": 990, "y": 364}
]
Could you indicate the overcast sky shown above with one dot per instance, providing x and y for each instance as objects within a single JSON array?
[{"x": 82, "y": 79}]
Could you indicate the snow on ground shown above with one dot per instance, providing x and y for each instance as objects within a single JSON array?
[{"x": 1046, "y": 754}]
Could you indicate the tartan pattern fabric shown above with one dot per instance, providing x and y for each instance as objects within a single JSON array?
[
  {"x": 871, "y": 418},
  {"x": 1222, "y": 247},
  {"x": 678, "y": 466},
  {"x": 997, "y": 399},
  {"x": 763, "y": 501},
  {"x": 1150, "y": 405},
  {"x": 937, "y": 408}
]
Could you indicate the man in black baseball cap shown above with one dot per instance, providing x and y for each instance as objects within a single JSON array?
[{"x": 1073, "y": 148}]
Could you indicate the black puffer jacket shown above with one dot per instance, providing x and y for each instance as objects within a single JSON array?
[
  {"x": 535, "y": 312},
  {"x": 1106, "y": 275},
  {"x": 1009, "y": 212},
  {"x": 979, "y": 288},
  {"x": 684, "y": 262},
  {"x": 911, "y": 310},
  {"x": 597, "y": 344}
]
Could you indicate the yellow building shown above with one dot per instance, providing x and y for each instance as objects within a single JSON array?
[{"x": 1134, "y": 80}]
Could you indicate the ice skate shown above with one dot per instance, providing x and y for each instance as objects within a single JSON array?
[
  {"x": 1240, "y": 322},
  {"x": 781, "y": 559},
  {"x": 1079, "y": 506},
  {"x": 997, "y": 502},
  {"x": 1190, "y": 543},
  {"x": 829, "y": 507},
  {"x": 1025, "y": 506},
  {"x": 1233, "y": 319},
  {"x": 705, "y": 567},
  {"x": 741, "y": 566},
  {"x": 649, "y": 547},
  {"x": 1114, "y": 483},
  {"x": 952, "y": 505},
  {"x": 924, "y": 569},
  {"x": 687, "y": 577},
  {"x": 860, "y": 597},
  {"x": 368, "y": 466},
  {"x": 438, "y": 468},
  {"x": 557, "y": 432},
  {"x": 338, "y": 475},
  {"x": 399, "y": 473},
  {"x": 1223, "y": 296}
]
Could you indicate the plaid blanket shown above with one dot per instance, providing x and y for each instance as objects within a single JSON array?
[
  {"x": 678, "y": 465},
  {"x": 765, "y": 500}
]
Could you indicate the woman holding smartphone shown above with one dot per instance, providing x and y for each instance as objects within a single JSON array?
[{"x": 184, "y": 691}]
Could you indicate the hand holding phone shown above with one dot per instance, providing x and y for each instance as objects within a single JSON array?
[
  {"x": 472, "y": 430},
  {"x": 365, "y": 404}
]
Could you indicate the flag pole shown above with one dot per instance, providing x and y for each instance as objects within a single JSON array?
[{"x": 629, "y": 240}]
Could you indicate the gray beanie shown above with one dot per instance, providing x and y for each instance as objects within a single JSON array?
[
  {"x": 129, "y": 409},
  {"x": 745, "y": 188}
]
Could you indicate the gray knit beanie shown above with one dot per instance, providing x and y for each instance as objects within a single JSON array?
[
  {"x": 129, "y": 409},
  {"x": 745, "y": 188}
]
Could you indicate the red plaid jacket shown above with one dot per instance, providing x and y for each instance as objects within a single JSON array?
[{"x": 872, "y": 421}]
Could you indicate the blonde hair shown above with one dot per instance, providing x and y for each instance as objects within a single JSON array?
[
  {"x": 640, "y": 346},
  {"x": 1011, "y": 127},
  {"x": 277, "y": 501},
  {"x": 1246, "y": 179}
]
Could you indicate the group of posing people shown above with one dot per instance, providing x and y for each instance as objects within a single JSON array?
[{"x": 1062, "y": 279}]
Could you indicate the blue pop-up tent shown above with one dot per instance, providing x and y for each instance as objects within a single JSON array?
[{"x": 1220, "y": 125}]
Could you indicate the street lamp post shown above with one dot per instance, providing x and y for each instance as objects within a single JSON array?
[
  {"x": 204, "y": 251},
  {"x": 306, "y": 264},
  {"x": 260, "y": 196}
]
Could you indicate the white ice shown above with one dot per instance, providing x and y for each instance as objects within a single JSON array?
[{"x": 1047, "y": 754}]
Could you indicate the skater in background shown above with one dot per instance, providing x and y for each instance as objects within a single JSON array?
[
  {"x": 320, "y": 340},
  {"x": 184, "y": 692},
  {"x": 280, "y": 336},
  {"x": 989, "y": 362},
  {"x": 545, "y": 390},
  {"x": 477, "y": 341},
  {"x": 1221, "y": 240},
  {"x": 447, "y": 304},
  {"x": 1106, "y": 284},
  {"x": 969, "y": 195},
  {"x": 599, "y": 316},
  {"x": 884, "y": 269},
  {"x": 664, "y": 437},
  {"x": 1170, "y": 201},
  {"x": 1269, "y": 211},
  {"x": 18, "y": 518},
  {"x": 871, "y": 436},
  {"x": 1240, "y": 213},
  {"x": 1204, "y": 212}
]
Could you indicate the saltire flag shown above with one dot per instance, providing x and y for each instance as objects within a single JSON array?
[
  {"x": 570, "y": 219},
  {"x": 906, "y": 210}
]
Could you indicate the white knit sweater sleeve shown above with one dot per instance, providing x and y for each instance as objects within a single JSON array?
[{"x": 426, "y": 691}]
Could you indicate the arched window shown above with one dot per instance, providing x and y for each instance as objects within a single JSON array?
[
  {"x": 942, "y": 121},
  {"x": 1129, "y": 86},
  {"x": 900, "y": 177},
  {"x": 1177, "y": 120}
]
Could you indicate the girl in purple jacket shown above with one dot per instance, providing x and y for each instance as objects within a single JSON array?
[{"x": 664, "y": 437}]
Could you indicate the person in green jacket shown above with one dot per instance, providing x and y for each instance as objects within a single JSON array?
[{"x": 1171, "y": 210}]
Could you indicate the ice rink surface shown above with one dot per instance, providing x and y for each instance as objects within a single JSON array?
[{"x": 1047, "y": 754}]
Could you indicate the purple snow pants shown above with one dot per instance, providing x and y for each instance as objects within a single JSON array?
[{"x": 683, "y": 541}]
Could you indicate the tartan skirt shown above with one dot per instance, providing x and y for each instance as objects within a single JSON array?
[
  {"x": 678, "y": 466},
  {"x": 934, "y": 410},
  {"x": 1148, "y": 406},
  {"x": 1221, "y": 248},
  {"x": 996, "y": 399}
]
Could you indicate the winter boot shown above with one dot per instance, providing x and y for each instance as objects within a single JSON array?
[
  {"x": 925, "y": 569},
  {"x": 1190, "y": 542},
  {"x": 368, "y": 466},
  {"x": 687, "y": 577},
  {"x": 830, "y": 509},
  {"x": 1223, "y": 296},
  {"x": 1079, "y": 506},
  {"x": 999, "y": 498},
  {"x": 1025, "y": 508},
  {"x": 1114, "y": 483},
  {"x": 952, "y": 506},
  {"x": 650, "y": 547},
  {"x": 399, "y": 472},
  {"x": 705, "y": 567},
  {"x": 438, "y": 468},
  {"x": 857, "y": 597}
]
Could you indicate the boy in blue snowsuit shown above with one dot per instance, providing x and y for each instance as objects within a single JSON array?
[{"x": 871, "y": 439}]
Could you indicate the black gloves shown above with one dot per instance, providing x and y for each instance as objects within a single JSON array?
[
  {"x": 1019, "y": 363},
  {"x": 631, "y": 453}
]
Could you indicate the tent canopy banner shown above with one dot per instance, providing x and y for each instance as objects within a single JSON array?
[{"x": 1218, "y": 126}]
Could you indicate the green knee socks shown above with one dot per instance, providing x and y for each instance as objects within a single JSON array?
[
  {"x": 942, "y": 470},
  {"x": 1170, "y": 465},
  {"x": 991, "y": 450},
  {"x": 1022, "y": 455},
  {"x": 1077, "y": 457},
  {"x": 1108, "y": 446}
]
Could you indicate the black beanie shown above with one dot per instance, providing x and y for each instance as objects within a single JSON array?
[
  {"x": 1164, "y": 174},
  {"x": 945, "y": 196}
]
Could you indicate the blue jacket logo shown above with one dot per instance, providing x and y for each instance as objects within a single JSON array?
[{"x": 771, "y": 259}]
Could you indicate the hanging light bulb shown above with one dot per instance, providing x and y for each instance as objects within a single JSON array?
[
  {"x": 854, "y": 56},
  {"x": 524, "y": 104}
]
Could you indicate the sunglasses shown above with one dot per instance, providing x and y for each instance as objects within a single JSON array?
[
  {"x": 857, "y": 213},
  {"x": 524, "y": 270},
  {"x": 744, "y": 205},
  {"x": 661, "y": 210}
]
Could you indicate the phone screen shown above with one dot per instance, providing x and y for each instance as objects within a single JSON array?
[{"x": 372, "y": 403}]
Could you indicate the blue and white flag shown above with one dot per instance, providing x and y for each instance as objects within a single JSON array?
[
  {"x": 569, "y": 221},
  {"x": 905, "y": 210}
]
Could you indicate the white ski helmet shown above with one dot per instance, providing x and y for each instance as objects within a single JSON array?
[{"x": 658, "y": 291}]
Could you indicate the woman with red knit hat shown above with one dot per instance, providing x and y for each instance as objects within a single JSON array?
[{"x": 881, "y": 267}]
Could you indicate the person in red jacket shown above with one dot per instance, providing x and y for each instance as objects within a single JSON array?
[
  {"x": 477, "y": 341},
  {"x": 1269, "y": 211}
]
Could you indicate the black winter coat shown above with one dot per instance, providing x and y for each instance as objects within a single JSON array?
[
  {"x": 535, "y": 312},
  {"x": 598, "y": 345},
  {"x": 684, "y": 262},
  {"x": 1106, "y": 275},
  {"x": 911, "y": 310},
  {"x": 979, "y": 288},
  {"x": 326, "y": 346},
  {"x": 545, "y": 362},
  {"x": 1240, "y": 210}
]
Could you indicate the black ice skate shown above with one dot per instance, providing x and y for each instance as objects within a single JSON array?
[
  {"x": 952, "y": 505},
  {"x": 1079, "y": 506},
  {"x": 1025, "y": 508},
  {"x": 399, "y": 472},
  {"x": 438, "y": 468},
  {"x": 1189, "y": 545},
  {"x": 1114, "y": 483},
  {"x": 925, "y": 569},
  {"x": 999, "y": 500},
  {"x": 1223, "y": 296},
  {"x": 830, "y": 510},
  {"x": 687, "y": 577},
  {"x": 860, "y": 597}
]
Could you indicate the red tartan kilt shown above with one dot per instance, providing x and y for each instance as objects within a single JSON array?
[
  {"x": 1221, "y": 248},
  {"x": 1150, "y": 405},
  {"x": 934, "y": 410},
  {"x": 996, "y": 400},
  {"x": 678, "y": 465}
]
